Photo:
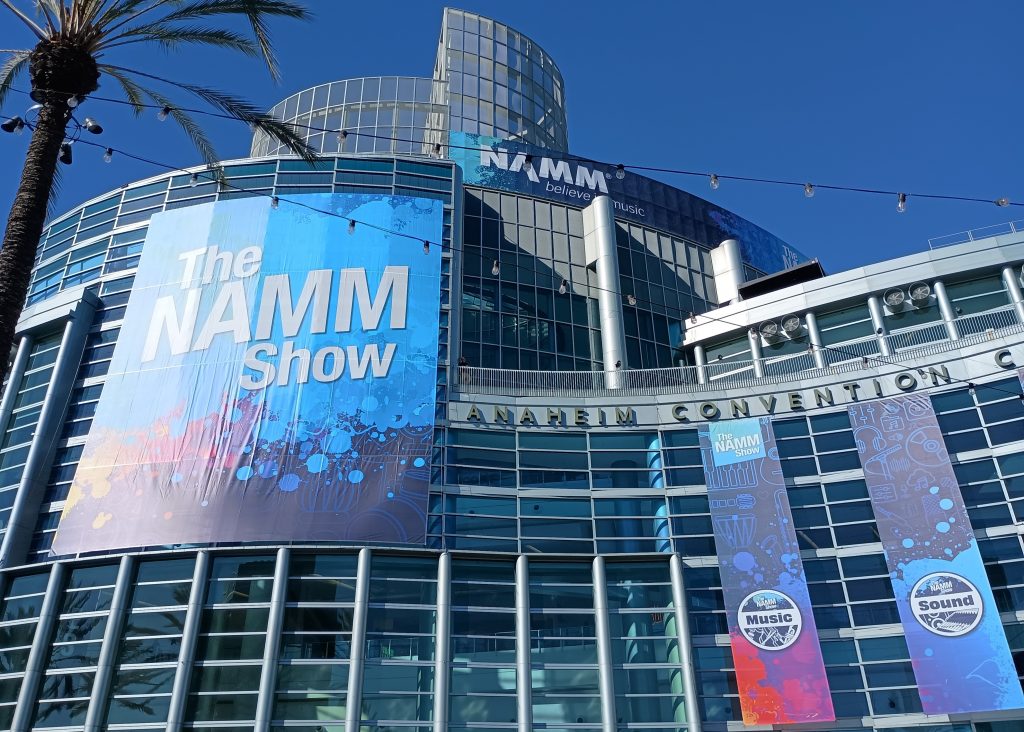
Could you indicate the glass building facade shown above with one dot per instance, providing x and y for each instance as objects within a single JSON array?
[{"x": 569, "y": 580}]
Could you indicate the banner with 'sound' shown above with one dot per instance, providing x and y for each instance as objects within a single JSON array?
[
  {"x": 274, "y": 379},
  {"x": 779, "y": 669},
  {"x": 957, "y": 645}
]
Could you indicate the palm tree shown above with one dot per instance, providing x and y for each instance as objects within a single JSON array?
[{"x": 66, "y": 65}]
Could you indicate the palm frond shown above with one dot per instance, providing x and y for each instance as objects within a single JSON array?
[
  {"x": 190, "y": 126},
  {"x": 241, "y": 110},
  {"x": 172, "y": 37},
  {"x": 134, "y": 93},
  {"x": 32, "y": 25},
  {"x": 10, "y": 69},
  {"x": 49, "y": 10},
  {"x": 122, "y": 12}
]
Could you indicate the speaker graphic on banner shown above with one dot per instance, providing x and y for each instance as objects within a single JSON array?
[
  {"x": 274, "y": 380},
  {"x": 958, "y": 649},
  {"x": 779, "y": 668}
]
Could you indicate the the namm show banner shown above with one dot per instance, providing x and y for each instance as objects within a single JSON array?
[
  {"x": 779, "y": 669},
  {"x": 957, "y": 645},
  {"x": 274, "y": 379}
]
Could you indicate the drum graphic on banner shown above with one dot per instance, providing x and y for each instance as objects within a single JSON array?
[
  {"x": 779, "y": 668},
  {"x": 961, "y": 659}
]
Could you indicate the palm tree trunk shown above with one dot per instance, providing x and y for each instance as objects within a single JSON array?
[{"x": 25, "y": 223}]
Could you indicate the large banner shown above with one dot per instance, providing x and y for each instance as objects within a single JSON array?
[
  {"x": 779, "y": 669},
  {"x": 956, "y": 640},
  {"x": 516, "y": 166},
  {"x": 274, "y": 380}
]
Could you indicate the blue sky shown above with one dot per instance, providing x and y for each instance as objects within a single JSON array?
[{"x": 920, "y": 97}]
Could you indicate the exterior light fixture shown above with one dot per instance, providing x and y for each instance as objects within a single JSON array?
[
  {"x": 631, "y": 299},
  {"x": 65, "y": 153},
  {"x": 92, "y": 126},
  {"x": 108, "y": 155},
  {"x": 620, "y": 171},
  {"x": 808, "y": 190},
  {"x": 15, "y": 125},
  {"x": 714, "y": 182},
  {"x": 901, "y": 202},
  {"x": 74, "y": 101}
]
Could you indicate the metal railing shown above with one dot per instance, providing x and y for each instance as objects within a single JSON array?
[
  {"x": 842, "y": 358},
  {"x": 962, "y": 237}
]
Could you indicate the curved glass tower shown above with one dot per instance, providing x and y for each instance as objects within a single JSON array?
[{"x": 570, "y": 561}]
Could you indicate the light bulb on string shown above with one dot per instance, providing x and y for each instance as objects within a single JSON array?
[
  {"x": 108, "y": 155},
  {"x": 564, "y": 287},
  {"x": 495, "y": 268},
  {"x": 714, "y": 182},
  {"x": 193, "y": 181},
  {"x": 808, "y": 190},
  {"x": 351, "y": 226},
  {"x": 620, "y": 171},
  {"x": 275, "y": 202},
  {"x": 163, "y": 114},
  {"x": 901, "y": 202},
  {"x": 426, "y": 247}
]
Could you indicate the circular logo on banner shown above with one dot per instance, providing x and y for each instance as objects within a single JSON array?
[
  {"x": 946, "y": 604},
  {"x": 770, "y": 620}
]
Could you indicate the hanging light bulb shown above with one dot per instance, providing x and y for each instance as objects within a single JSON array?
[
  {"x": 808, "y": 190},
  {"x": 92, "y": 126},
  {"x": 164, "y": 113},
  {"x": 631, "y": 299},
  {"x": 437, "y": 149},
  {"x": 620, "y": 171},
  {"x": 274, "y": 201},
  {"x": 528, "y": 162},
  {"x": 351, "y": 226},
  {"x": 901, "y": 202},
  {"x": 693, "y": 319},
  {"x": 564, "y": 287},
  {"x": 495, "y": 269},
  {"x": 193, "y": 181},
  {"x": 1002, "y": 202},
  {"x": 342, "y": 136},
  {"x": 65, "y": 153},
  {"x": 714, "y": 182},
  {"x": 426, "y": 247},
  {"x": 108, "y": 155},
  {"x": 74, "y": 101}
]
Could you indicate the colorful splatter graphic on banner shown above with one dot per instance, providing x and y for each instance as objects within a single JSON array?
[
  {"x": 957, "y": 645},
  {"x": 779, "y": 668},
  {"x": 274, "y": 380}
]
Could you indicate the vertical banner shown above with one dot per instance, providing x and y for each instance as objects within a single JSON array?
[
  {"x": 957, "y": 645},
  {"x": 274, "y": 379},
  {"x": 779, "y": 669}
]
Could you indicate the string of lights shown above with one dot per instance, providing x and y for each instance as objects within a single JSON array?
[
  {"x": 564, "y": 286},
  {"x": 618, "y": 169}
]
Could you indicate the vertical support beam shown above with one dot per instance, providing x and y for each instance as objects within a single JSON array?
[
  {"x": 878, "y": 323},
  {"x": 442, "y": 652},
  {"x": 189, "y": 639},
  {"x": 13, "y": 380},
  {"x": 602, "y": 251},
  {"x": 682, "y": 613},
  {"x": 1009, "y": 279},
  {"x": 814, "y": 338},
  {"x": 119, "y": 609},
  {"x": 25, "y": 511},
  {"x": 524, "y": 676},
  {"x": 946, "y": 308},
  {"x": 605, "y": 674},
  {"x": 754, "y": 338},
  {"x": 354, "y": 699},
  {"x": 727, "y": 268},
  {"x": 37, "y": 656},
  {"x": 701, "y": 357},
  {"x": 268, "y": 678}
]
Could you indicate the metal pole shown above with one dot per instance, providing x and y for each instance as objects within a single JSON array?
[
  {"x": 756, "y": 357},
  {"x": 14, "y": 380},
  {"x": 700, "y": 356},
  {"x": 38, "y": 655},
  {"x": 599, "y": 237},
  {"x": 189, "y": 639},
  {"x": 354, "y": 702},
  {"x": 878, "y": 323},
  {"x": 268, "y": 677},
  {"x": 524, "y": 677},
  {"x": 814, "y": 338},
  {"x": 442, "y": 654},
  {"x": 946, "y": 308},
  {"x": 682, "y": 613},
  {"x": 119, "y": 609},
  {"x": 1009, "y": 279},
  {"x": 605, "y": 674}
]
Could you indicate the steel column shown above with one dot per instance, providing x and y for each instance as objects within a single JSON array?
[
  {"x": 682, "y": 613},
  {"x": 878, "y": 323},
  {"x": 814, "y": 338},
  {"x": 946, "y": 308},
  {"x": 189, "y": 639},
  {"x": 756, "y": 357},
  {"x": 354, "y": 698},
  {"x": 605, "y": 674},
  {"x": 442, "y": 652},
  {"x": 268, "y": 677},
  {"x": 35, "y": 667},
  {"x": 524, "y": 676},
  {"x": 14, "y": 380},
  {"x": 1009, "y": 279},
  {"x": 119, "y": 609}
]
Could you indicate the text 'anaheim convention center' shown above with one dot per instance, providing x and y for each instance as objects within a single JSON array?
[{"x": 453, "y": 430}]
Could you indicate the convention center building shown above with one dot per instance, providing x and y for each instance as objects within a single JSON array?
[{"x": 454, "y": 430}]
